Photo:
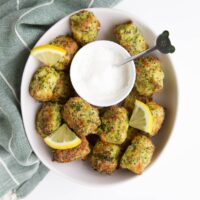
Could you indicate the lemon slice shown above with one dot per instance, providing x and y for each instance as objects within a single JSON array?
[
  {"x": 49, "y": 54},
  {"x": 141, "y": 118},
  {"x": 62, "y": 138}
]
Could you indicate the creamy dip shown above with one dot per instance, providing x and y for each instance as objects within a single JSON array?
[{"x": 95, "y": 76}]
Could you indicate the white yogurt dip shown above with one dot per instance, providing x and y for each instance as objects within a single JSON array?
[{"x": 95, "y": 77}]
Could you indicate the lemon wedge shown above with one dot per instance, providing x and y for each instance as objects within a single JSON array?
[
  {"x": 49, "y": 54},
  {"x": 62, "y": 138},
  {"x": 141, "y": 118}
]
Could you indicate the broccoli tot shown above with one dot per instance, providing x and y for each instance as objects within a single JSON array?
[
  {"x": 158, "y": 116},
  {"x": 43, "y": 83},
  {"x": 63, "y": 89},
  {"x": 128, "y": 35},
  {"x": 129, "y": 101},
  {"x": 71, "y": 48},
  {"x": 48, "y": 118},
  {"x": 138, "y": 155},
  {"x": 114, "y": 125},
  {"x": 105, "y": 157},
  {"x": 81, "y": 116},
  {"x": 84, "y": 27},
  {"x": 131, "y": 133},
  {"x": 68, "y": 155},
  {"x": 149, "y": 79}
]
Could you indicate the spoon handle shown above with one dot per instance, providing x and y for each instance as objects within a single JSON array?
[{"x": 137, "y": 56}]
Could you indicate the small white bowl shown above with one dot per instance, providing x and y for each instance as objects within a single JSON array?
[{"x": 89, "y": 57}]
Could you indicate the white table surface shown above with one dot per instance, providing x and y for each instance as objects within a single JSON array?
[{"x": 176, "y": 175}]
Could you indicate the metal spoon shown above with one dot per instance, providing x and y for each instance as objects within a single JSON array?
[{"x": 163, "y": 44}]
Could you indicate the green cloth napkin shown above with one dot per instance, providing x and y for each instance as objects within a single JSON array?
[{"x": 22, "y": 22}]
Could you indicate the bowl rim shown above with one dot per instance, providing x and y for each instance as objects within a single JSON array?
[{"x": 176, "y": 108}]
